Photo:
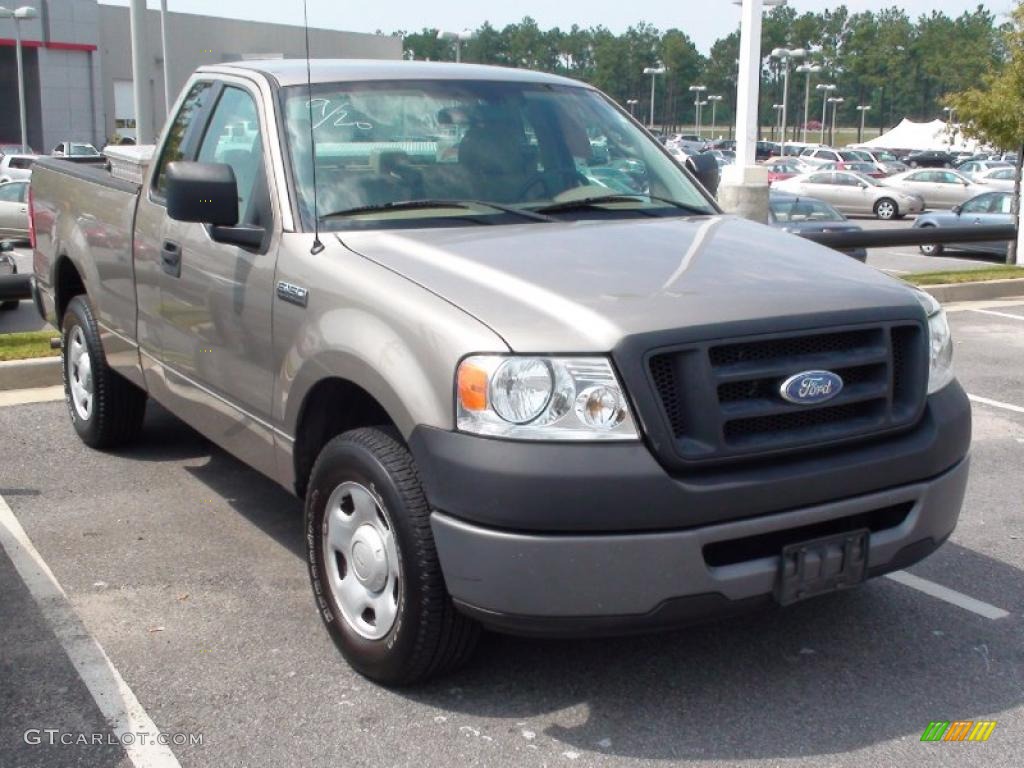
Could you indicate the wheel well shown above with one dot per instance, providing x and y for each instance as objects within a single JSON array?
[
  {"x": 67, "y": 284},
  {"x": 333, "y": 406}
]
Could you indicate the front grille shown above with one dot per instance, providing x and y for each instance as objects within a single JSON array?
[{"x": 721, "y": 400}]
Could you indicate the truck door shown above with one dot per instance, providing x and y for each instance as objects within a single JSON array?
[{"x": 216, "y": 298}]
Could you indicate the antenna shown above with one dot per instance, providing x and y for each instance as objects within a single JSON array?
[{"x": 317, "y": 245}]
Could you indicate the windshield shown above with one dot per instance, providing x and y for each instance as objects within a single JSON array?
[
  {"x": 797, "y": 209},
  {"x": 83, "y": 150},
  {"x": 519, "y": 145}
]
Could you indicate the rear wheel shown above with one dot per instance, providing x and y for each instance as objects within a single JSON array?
[
  {"x": 106, "y": 409},
  {"x": 373, "y": 566},
  {"x": 887, "y": 209}
]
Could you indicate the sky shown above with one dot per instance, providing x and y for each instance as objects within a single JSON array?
[{"x": 412, "y": 15}]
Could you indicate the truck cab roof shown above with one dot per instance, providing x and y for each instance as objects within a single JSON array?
[{"x": 293, "y": 71}]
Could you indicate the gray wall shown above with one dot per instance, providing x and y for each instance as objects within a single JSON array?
[{"x": 194, "y": 40}]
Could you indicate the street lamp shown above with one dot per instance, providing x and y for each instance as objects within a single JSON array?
[
  {"x": 25, "y": 13},
  {"x": 653, "y": 72},
  {"x": 698, "y": 92},
  {"x": 950, "y": 111},
  {"x": 778, "y": 118},
  {"x": 631, "y": 103},
  {"x": 458, "y": 38},
  {"x": 835, "y": 101},
  {"x": 714, "y": 106},
  {"x": 808, "y": 69},
  {"x": 825, "y": 89},
  {"x": 863, "y": 109},
  {"x": 785, "y": 55}
]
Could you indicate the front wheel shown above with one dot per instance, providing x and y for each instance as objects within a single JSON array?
[
  {"x": 886, "y": 209},
  {"x": 933, "y": 249},
  {"x": 374, "y": 569},
  {"x": 106, "y": 409}
]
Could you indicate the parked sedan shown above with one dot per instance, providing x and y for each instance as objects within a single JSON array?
[
  {"x": 10, "y": 285},
  {"x": 886, "y": 160},
  {"x": 928, "y": 159},
  {"x": 780, "y": 170},
  {"x": 1000, "y": 177},
  {"x": 853, "y": 193},
  {"x": 14, "y": 209},
  {"x": 16, "y": 167},
  {"x": 867, "y": 168},
  {"x": 939, "y": 189},
  {"x": 802, "y": 215},
  {"x": 974, "y": 168},
  {"x": 989, "y": 208}
]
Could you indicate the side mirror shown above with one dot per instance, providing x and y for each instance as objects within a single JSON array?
[
  {"x": 705, "y": 168},
  {"x": 205, "y": 193},
  {"x": 862, "y": 185},
  {"x": 956, "y": 209}
]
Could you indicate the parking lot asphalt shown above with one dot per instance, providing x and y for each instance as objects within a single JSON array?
[{"x": 186, "y": 567}]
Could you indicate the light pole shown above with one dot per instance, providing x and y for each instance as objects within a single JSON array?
[
  {"x": 653, "y": 72},
  {"x": 458, "y": 38},
  {"x": 779, "y": 111},
  {"x": 825, "y": 89},
  {"x": 785, "y": 55},
  {"x": 808, "y": 69},
  {"x": 631, "y": 103},
  {"x": 19, "y": 15},
  {"x": 863, "y": 109},
  {"x": 163, "y": 50},
  {"x": 714, "y": 107},
  {"x": 698, "y": 92},
  {"x": 835, "y": 101}
]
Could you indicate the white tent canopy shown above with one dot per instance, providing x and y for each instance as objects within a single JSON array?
[{"x": 923, "y": 136}]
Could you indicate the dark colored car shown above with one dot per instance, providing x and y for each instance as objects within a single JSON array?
[
  {"x": 729, "y": 144},
  {"x": 767, "y": 149},
  {"x": 803, "y": 215},
  {"x": 928, "y": 159},
  {"x": 987, "y": 209},
  {"x": 13, "y": 287}
]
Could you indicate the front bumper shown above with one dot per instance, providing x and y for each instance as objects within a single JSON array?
[
  {"x": 565, "y": 539},
  {"x": 542, "y": 584}
]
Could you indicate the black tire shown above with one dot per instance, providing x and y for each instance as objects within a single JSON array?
[
  {"x": 934, "y": 249},
  {"x": 429, "y": 636},
  {"x": 8, "y": 306},
  {"x": 886, "y": 209},
  {"x": 118, "y": 406}
]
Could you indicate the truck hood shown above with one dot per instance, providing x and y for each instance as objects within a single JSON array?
[{"x": 584, "y": 286}]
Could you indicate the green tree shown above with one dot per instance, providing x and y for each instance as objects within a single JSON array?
[{"x": 994, "y": 111}]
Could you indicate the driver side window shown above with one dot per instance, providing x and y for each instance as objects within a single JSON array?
[
  {"x": 980, "y": 204},
  {"x": 233, "y": 138}
]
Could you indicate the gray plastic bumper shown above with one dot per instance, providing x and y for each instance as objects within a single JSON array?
[{"x": 567, "y": 583}]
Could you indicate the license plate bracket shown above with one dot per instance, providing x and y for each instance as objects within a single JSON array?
[{"x": 818, "y": 566}]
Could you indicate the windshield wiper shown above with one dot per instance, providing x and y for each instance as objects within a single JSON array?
[
  {"x": 418, "y": 205},
  {"x": 594, "y": 202}
]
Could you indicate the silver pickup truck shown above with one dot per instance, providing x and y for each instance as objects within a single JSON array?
[{"x": 523, "y": 372}]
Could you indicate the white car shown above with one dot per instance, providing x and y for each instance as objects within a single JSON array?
[
  {"x": 16, "y": 167},
  {"x": 14, "y": 210},
  {"x": 939, "y": 187},
  {"x": 972, "y": 169},
  {"x": 1000, "y": 177}
]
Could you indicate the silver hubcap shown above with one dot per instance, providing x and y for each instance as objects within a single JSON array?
[
  {"x": 361, "y": 559},
  {"x": 885, "y": 210},
  {"x": 80, "y": 374}
]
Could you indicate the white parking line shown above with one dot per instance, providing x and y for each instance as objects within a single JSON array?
[
  {"x": 998, "y": 314},
  {"x": 949, "y": 595},
  {"x": 995, "y": 403},
  {"x": 894, "y": 271},
  {"x": 112, "y": 695}
]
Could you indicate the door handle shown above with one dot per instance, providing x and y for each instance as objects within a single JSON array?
[
  {"x": 977, "y": 221},
  {"x": 170, "y": 258}
]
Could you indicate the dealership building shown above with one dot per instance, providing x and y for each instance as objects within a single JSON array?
[{"x": 78, "y": 68}]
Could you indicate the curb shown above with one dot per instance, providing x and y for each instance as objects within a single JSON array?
[
  {"x": 26, "y": 374},
  {"x": 992, "y": 289}
]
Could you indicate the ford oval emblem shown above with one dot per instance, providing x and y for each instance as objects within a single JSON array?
[{"x": 811, "y": 387}]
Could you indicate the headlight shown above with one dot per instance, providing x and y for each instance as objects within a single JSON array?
[
  {"x": 940, "y": 343},
  {"x": 542, "y": 398}
]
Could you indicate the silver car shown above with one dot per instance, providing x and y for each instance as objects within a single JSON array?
[
  {"x": 1000, "y": 177},
  {"x": 852, "y": 192},
  {"x": 972, "y": 169},
  {"x": 987, "y": 209},
  {"x": 14, "y": 209},
  {"x": 939, "y": 187}
]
